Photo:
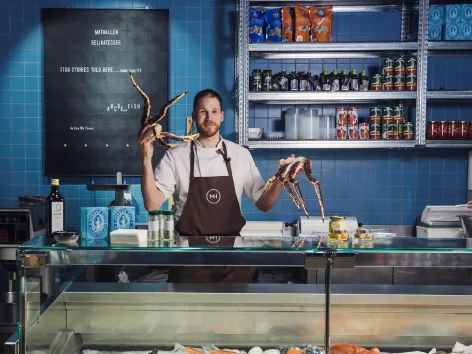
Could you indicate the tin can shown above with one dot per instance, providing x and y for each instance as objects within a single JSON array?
[
  {"x": 408, "y": 132},
  {"x": 376, "y": 84},
  {"x": 375, "y": 112},
  {"x": 470, "y": 131},
  {"x": 387, "y": 82},
  {"x": 364, "y": 131},
  {"x": 411, "y": 66},
  {"x": 256, "y": 80},
  {"x": 341, "y": 131},
  {"x": 432, "y": 132},
  {"x": 392, "y": 133},
  {"x": 398, "y": 121},
  {"x": 341, "y": 116},
  {"x": 387, "y": 112},
  {"x": 352, "y": 116},
  {"x": 375, "y": 131},
  {"x": 442, "y": 130},
  {"x": 353, "y": 131},
  {"x": 266, "y": 80},
  {"x": 397, "y": 113},
  {"x": 386, "y": 123},
  {"x": 453, "y": 130},
  {"x": 387, "y": 66},
  {"x": 463, "y": 130},
  {"x": 399, "y": 82},
  {"x": 399, "y": 67},
  {"x": 411, "y": 82}
]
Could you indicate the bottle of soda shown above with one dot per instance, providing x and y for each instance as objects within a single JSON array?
[{"x": 55, "y": 209}]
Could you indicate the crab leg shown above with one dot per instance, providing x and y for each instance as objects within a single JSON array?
[
  {"x": 270, "y": 181},
  {"x": 316, "y": 184},
  {"x": 147, "y": 104},
  {"x": 290, "y": 193},
  {"x": 185, "y": 138},
  {"x": 162, "y": 143},
  {"x": 164, "y": 109},
  {"x": 296, "y": 186}
]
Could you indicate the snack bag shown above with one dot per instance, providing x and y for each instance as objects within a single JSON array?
[
  {"x": 321, "y": 23},
  {"x": 302, "y": 24},
  {"x": 287, "y": 24},
  {"x": 256, "y": 25},
  {"x": 274, "y": 25}
]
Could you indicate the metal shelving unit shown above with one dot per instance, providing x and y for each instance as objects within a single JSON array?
[{"x": 422, "y": 49}]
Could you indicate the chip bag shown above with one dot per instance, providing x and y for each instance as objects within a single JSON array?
[
  {"x": 287, "y": 24},
  {"x": 302, "y": 24},
  {"x": 274, "y": 25},
  {"x": 256, "y": 25},
  {"x": 321, "y": 23}
]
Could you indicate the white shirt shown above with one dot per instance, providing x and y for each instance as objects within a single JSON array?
[{"x": 172, "y": 175}]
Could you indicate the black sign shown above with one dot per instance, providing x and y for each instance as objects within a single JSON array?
[{"x": 92, "y": 111}]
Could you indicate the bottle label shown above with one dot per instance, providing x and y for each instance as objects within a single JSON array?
[{"x": 57, "y": 216}]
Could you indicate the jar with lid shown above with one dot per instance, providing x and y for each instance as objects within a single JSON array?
[
  {"x": 337, "y": 222},
  {"x": 153, "y": 224},
  {"x": 167, "y": 231}
]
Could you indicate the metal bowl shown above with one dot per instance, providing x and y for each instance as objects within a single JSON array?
[{"x": 66, "y": 236}]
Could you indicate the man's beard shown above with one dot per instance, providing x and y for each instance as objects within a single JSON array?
[{"x": 208, "y": 130}]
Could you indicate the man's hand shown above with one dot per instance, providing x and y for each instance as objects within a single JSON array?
[{"x": 145, "y": 143}]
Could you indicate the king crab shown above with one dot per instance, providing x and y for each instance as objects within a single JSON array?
[
  {"x": 153, "y": 121},
  {"x": 287, "y": 171}
]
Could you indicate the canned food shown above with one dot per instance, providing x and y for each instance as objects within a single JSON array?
[
  {"x": 256, "y": 80},
  {"x": 387, "y": 66},
  {"x": 386, "y": 123},
  {"x": 399, "y": 82},
  {"x": 399, "y": 66},
  {"x": 411, "y": 66},
  {"x": 375, "y": 112},
  {"x": 392, "y": 133},
  {"x": 364, "y": 131},
  {"x": 341, "y": 131},
  {"x": 387, "y": 112},
  {"x": 411, "y": 82},
  {"x": 470, "y": 131},
  {"x": 442, "y": 130},
  {"x": 408, "y": 132},
  {"x": 352, "y": 116},
  {"x": 337, "y": 222},
  {"x": 376, "y": 84},
  {"x": 453, "y": 130},
  {"x": 463, "y": 130},
  {"x": 398, "y": 121},
  {"x": 353, "y": 131},
  {"x": 374, "y": 131},
  {"x": 266, "y": 80},
  {"x": 341, "y": 116},
  {"x": 432, "y": 130},
  {"x": 397, "y": 113},
  {"x": 387, "y": 82}
]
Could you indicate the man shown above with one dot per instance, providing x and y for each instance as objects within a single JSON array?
[{"x": 207, "y": 178}]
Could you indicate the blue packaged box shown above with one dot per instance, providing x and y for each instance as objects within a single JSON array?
[
  {"x": 465, "y": 31},
  {"x": 466, "y": 13},
  {"x": 453, "y": 13},
  {"x": 452, "y": 32},
  {"x": 435, "y": 32},
  {"x": 436, "y": 15},
  {"x": 93, "y": 223},
  {"x": 122, "y": 218}
]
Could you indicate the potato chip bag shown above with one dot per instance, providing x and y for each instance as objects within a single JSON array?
[
  {"x": 321, "y": 23},
  {"x": 302, "y": 24}
]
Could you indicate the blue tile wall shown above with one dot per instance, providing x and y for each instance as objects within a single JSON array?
[{"x": 379, "y": 186}]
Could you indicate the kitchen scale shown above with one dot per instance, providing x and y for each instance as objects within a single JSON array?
[{"x": 442, "y": 221}]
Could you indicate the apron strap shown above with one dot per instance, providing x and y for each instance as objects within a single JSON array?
[
  {"x": 227, "y": 159},
  {"x": 192, "y": 159}
]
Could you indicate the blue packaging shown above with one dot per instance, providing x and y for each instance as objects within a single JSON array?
[
  {"x": 436, "y": 15},
  {"x": 452, "y": 32},
  {"x": 274, "y": 25},
  {"x": 93, "y": 223},
  {"x": 453, "y": 13},
  {"x": 466, "y": 13},
  {"x": 435, "y": 32},
  {"x": 256, "y": 25},
  {"x": 122, "y": 218},
  {"x": 465, "y": 31}
]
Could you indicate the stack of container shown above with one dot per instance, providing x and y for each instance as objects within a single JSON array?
[
  {"x": 304, "y": 124},
  {"x": 451, "y": 22}
]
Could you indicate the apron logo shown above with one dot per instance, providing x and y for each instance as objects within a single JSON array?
[
  {"x": 213, "y": 239},
  {"x": 213, "y": 196}
]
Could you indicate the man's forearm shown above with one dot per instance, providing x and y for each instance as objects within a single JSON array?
[
  {"x": 270, "y": 196},
  {"x": 152, "y": 196}
]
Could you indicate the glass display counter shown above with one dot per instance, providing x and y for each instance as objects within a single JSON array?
[{"x": 60, "y": 311}]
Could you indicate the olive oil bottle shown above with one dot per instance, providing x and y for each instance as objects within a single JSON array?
[{"x": 55, "y": 209}]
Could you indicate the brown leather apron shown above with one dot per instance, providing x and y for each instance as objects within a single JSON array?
[{"x": 211, "y": 218}]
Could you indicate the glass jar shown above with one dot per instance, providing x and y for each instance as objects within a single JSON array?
[
  {"x": 153, "y": 224},
  {"x": 167, "y": 230}
]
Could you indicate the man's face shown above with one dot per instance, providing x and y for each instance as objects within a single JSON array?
[{"x": 208, "y": 116}]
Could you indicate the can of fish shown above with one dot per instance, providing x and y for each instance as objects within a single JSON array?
[
  {"x": 408, "y": 132},
  {"x": 463, "y": 130},
  {"x": 353, "y": 131},
  {"x": 411, "y": 66},
  {"x": 398, "y": 121},
  {"x": 266, "y": 80},
  {"x": 352, "y": 116},
  {"x": 411, "y": 82},
  {"x": 341, "y": 131},
  {"x": 397, "y": 112},
  {"x": 387, "y": 82},
  {"x": 364, "y": 131},
  {"x": 256, "y": 80},
  {"x": 386, "y": 123},
  {"x": 374, "y": 131},
  {"x": 341, "y": 115},
  {"x": 442, "y": 130},
  {"x": 376, "y": 84},
  {"x": 375, "y": 112},
  {"x": 387, "y": 66},
  {"x": 392, "y": 133},
  {"x": 453, "y": 130},
  {"x": 387, "y": 112},
  {"x": 432, "y": 132},
  {"x": 399, "y": 82},
  {"x": 399, "y": 66}
]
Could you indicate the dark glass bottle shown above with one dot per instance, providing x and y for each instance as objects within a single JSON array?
[
  {"x": 364, "y": 81},
  {"x": 293, "y": 81},
  {"x": 335, "y": 81},
  {"x": 345, "y": 81},
  {"x": 55, "y": 209},
  {"x": 354, "y": 80},
  {"x": 325, "y": 81}
]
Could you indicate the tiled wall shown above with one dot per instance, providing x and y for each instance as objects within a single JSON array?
[{"x": 379, "y": 186}]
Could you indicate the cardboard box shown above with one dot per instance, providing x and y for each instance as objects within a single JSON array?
[
  {"x": 122, "y": 218},
  {"x": 435, "y": 32},
  {"x": 93, "y": 223},
  {"x": 452, "y": 32},
  {"x": 453, "y": 13},
  {"x": 436, "y": 15},
  {"x": 465, "y": 31},
  {"x": 466, "y": 13}
]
